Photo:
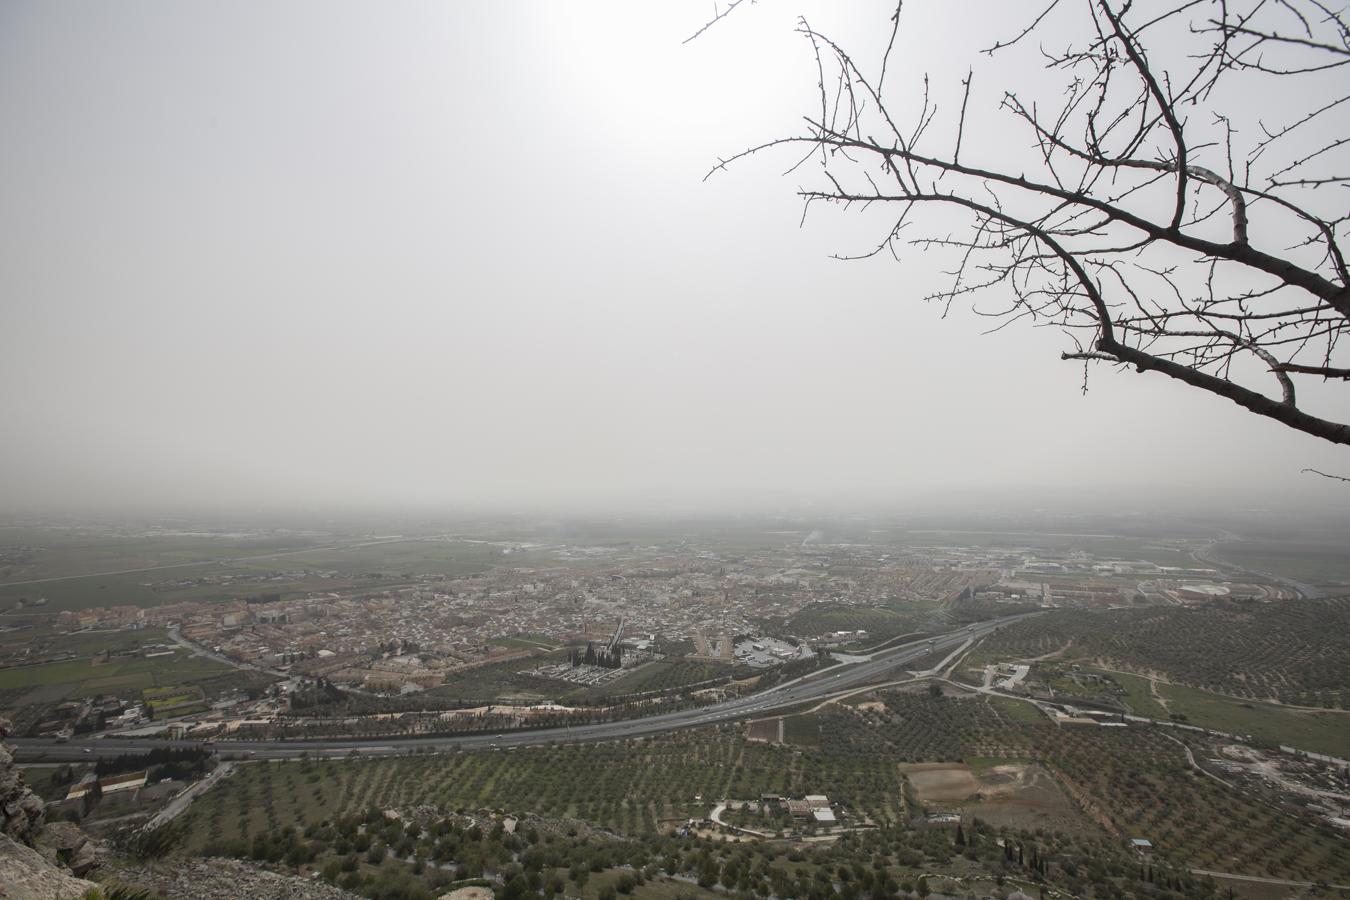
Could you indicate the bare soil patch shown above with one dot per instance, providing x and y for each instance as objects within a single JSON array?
[
  {"x": 763, "y": 730},
  {"x": 941, "y": 782},
  {"x": 1014, "y": 794}
]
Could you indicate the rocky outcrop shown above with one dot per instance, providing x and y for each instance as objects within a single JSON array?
[
  {"x": 20, "y": 809},
  {"x": 64, "y": 844},
  {"x": 221, "y": 879},
  {"x": 26, "y": 875}
]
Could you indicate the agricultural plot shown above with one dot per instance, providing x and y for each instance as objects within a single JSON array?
[
  {"x": 764, "y": 730},
  {"x": 941, "y": 782},
  {"x": 879, "y": 623},
  {"x": 382, "y": 857},
  {"x": 1318, "y": 561},
  {"x": 1318, "y": 731},
  {"x": 129, "y": 564},
  {"x": 1087, "y": 785},
  {"x": 1081, "y": 782},
  {"x": 1292, "y": 652},
  {"x": 502, "y": 680},
  {"x": 176, "y": 700},
  {"x": 657, "y": 676},
  {"x": 112, "y": 570},
  {"x": 91, "y": 590},
  {"x": 1137, "y": 783},
  {"x": 1161, "y": 552},
  {"x": 121, "y": 676},
  {"x": 44, "y": 641},
  {"x": 60, "y": 552},
  {"x": 802, "y": 731},
  {"x": 400, "y": 558},
  {"x": 916, "y": 727},
  {"x": 1139, "y": 694},
  {"x": 1015, "y": 711},
  {"x": 627, "y": 788},
  {"x": 427, "y": 856},
  {"x": 1010, "y": 793},
  {"x": 1130, "y": 781}
]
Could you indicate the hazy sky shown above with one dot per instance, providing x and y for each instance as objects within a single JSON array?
[{"x": 446, "y": 253}]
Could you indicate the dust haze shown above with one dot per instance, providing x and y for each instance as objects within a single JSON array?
[{"x": 454, "y": 256}]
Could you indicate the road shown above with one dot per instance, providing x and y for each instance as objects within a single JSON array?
[
  {"x": 816, "y": 686},
  {"x": 1190, "y": 760},
  {"x": 200, "y": 650},
  {"x": 1259, "y": 880},
  {"x": 188, "y": 794}
]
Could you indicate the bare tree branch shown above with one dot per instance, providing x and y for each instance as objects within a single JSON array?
[
  {"x": 1107, "y": 231},
  {"x": 1326, "y": 475}
]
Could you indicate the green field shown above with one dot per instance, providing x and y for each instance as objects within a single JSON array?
[
  {"x": 1016, "y": 711},
  {"x": 44, "y": 783},
  {"x": 502, "y": 680},
  {"x": 410, "y": 557},
  {"x": 659, "y": 675},
  {"x": 86, "y": 591},
  {"x": 1314, "y": 730},
  {"x": 1138, "y": 695},
  {"x": 134, "y": 563},
  {"x": 1320, "y": 732},
  {"x": 1162, "y": 552},
  {"x": 880, "y": 624},
  {"x": 169, "y": 696},
  {"x": 1309, "y": 559},
  {"x": 802, "y": 730},
  {"x": 60, "y": 552},
  {"x": 125, "y": 677},
  {"x": 46, "y": 639}
]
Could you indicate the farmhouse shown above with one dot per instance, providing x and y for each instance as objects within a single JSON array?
[{"x": 128, "y": 782}]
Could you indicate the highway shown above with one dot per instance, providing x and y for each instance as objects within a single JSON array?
[{"x": 813, "y": 687}]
